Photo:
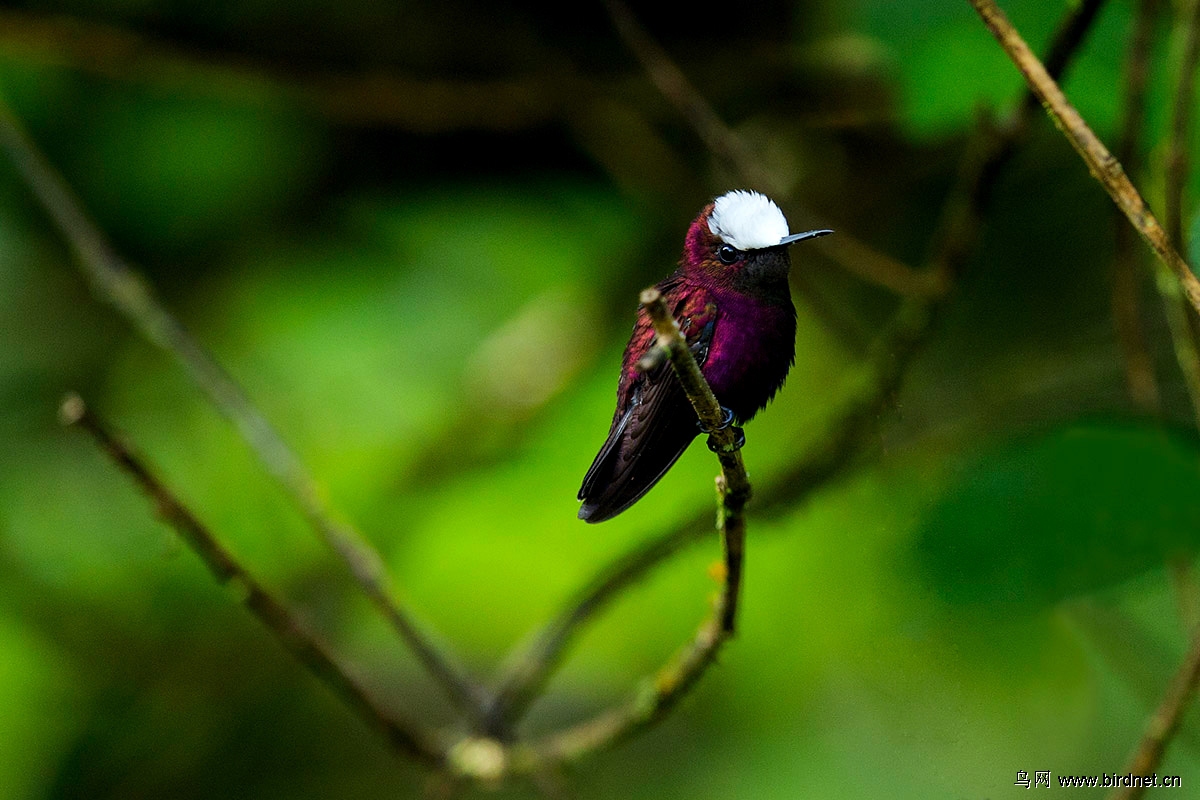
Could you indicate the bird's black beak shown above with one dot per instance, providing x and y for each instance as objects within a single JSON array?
[{"x": 800, "y": 237}]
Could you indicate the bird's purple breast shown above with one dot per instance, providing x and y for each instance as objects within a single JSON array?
[{"x": 752, "y": 349}]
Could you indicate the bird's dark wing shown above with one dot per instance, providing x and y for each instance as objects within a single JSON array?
[{"x": 655, "y": 421}]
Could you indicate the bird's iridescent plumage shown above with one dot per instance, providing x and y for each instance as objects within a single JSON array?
[{"x": 731, "y": 299}]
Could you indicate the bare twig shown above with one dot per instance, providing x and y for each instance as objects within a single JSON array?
[
  {"x": 1100, "y": 162},
  {"x": 675, "y": 87},
  {"x": 530, "y": 666},
  {"x": 659, "y": 693},
  {"x": 303, "y": 644},
  {"x": 656, "y": 697},
  {"x": 851, "y": 254},
  {"x": 1066, "y": 41},
  {"x": 733, "y": 486},
  {"x": 1108, "y": 170},
  {"x": 116, "y": 282},
  {"x": 1164, "y": 723},
  {"x": 669, "y": 684}
]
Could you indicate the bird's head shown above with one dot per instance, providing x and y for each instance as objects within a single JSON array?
[{"x": 741, "y": 240}]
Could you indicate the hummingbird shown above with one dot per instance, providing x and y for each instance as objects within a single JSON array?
[{"x": 731, "y": 299}]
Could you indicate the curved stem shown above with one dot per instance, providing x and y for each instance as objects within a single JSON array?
[
  {"x": 530, "y": 667},
  {"x": 116, "y": 282},
  {"x": 1100, "y": 162},
  {"x": 660, "y": 692},
  {"x": 303, "y": 644}
]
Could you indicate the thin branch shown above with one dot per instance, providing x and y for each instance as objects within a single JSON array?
[
  {"x": 733, "y": 486},
  {"x": 657, "y": 695},
  {"x": 1067, "y": 39},
  {"x": 1165, "y": 722},
  {"x": 116, "y": 282},
  {"x": 531, "y": 665},
  {"x": 1108, "y": 170},
  {"x": 660, "y": 693},
  {"x": 303, "y": 644},
  {"x": 1100, "y": 162},
  {"x": 669, "y": 79},
  {"x": 851, "y": 254}
]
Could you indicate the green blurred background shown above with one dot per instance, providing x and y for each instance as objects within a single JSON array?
[{"x": 415, "y": 234}]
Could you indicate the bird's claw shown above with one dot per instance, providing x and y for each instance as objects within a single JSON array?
[
  {"x": 738, "y": 441},
  {"x": 726, "y": 422}
]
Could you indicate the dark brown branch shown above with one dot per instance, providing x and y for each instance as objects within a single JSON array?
[
  {"x": 1100, "y": 162},
  {"x": 303, "y": 644},
  {"x": 1066, "y": 42},
  {"x": 117, "y": 283}
]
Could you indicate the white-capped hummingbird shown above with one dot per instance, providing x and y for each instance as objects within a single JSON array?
[{"x": 731, "y": 298}]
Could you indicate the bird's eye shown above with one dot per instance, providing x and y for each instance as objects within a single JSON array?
[{"x": 728, "y": 254}]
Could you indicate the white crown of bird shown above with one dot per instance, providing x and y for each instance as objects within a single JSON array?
[{"x": 747, "y": 220}]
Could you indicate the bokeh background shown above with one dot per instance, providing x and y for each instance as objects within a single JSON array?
[{"x": 415, "y": 233}]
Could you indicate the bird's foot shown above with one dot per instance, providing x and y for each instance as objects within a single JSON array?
[
  {"x": 726, "y": 422},
  {"x": 739, "y": 440}
]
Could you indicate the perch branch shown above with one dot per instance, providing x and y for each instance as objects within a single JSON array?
[
  {"x": 660, "y": 693},
  {"x": 733, "y": 486},
  {"x": 116, "y": 282},
  {"x": 303, "y": 644},
  {"x": 837, "y": 450},
  {"x": 1100, "y": 162},
  {"x": 657, "y": 695}
]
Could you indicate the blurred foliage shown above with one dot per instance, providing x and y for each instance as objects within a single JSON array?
[{"x": 415, "y": 235}]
